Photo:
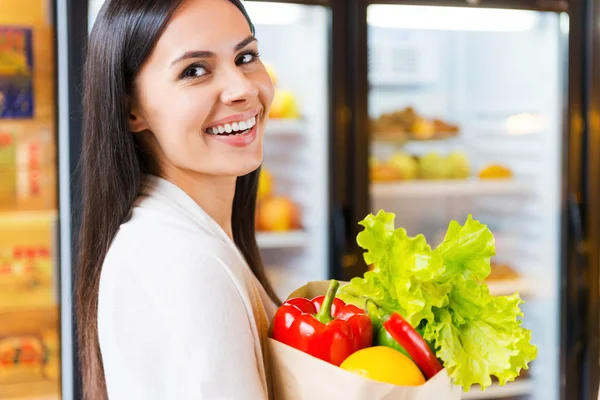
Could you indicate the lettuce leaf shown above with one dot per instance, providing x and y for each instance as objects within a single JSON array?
[{"x": 440, "y": 292}]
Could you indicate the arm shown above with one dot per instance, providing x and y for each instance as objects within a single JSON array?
[{"x": 182, "y": 332}]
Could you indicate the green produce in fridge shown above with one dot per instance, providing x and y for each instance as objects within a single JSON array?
[
  {"x": 433, "y": 166},
  {"x": 458, "y": 165}
]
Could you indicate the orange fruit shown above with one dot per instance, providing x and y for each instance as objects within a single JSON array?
[
  {"x": 384, "y": 364},
  {"x": 278, "y": 214},
  {"x": 495, "y": 171},
  {"x": 265, "y": 184}
]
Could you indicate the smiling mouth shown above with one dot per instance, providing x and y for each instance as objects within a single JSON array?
[{"x": 234, "y": 128}]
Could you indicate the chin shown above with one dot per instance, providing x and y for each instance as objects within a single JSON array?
[{"x": 245, "y": 166}]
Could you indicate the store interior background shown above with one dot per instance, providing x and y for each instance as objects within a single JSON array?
[{"x": 466, "y": 115}]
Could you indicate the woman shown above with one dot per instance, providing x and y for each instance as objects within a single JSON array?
[{"x": 173, "y": 301}]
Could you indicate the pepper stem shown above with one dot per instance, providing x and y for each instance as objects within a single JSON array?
[{"x": 324, "y": 315}]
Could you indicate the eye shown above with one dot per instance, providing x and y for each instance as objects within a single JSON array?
[
  {"x": 247, "y": 58},
  {"x": 193, "y": 71}
]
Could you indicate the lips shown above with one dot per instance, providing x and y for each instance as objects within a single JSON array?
[
  {"x": 241, "y": 139},
  {"x": 233, "y": 123},
  {"x": 234, "y": 128}
]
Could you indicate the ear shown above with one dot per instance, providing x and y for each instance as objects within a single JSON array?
[{"x": 137, "y": 123}]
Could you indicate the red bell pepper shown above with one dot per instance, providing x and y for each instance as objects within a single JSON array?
[
  {"x": 414, "y": 344},
  {"x": 324, "y": 327}
]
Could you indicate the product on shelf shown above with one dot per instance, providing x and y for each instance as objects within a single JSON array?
[
  {"x": 407, "y": 124},
  {"x": 458, "y": 165},
  {"x": 495, "y": 171},
  {"x": 278, "y": 214},
  {"x": 27, "y": 167},
  {"x": 502, "y": 272},
  {"x": 271, "y": 71},
  {"x": 265, "y": 184},
  {"x": 384, "y": 173},
  {"x": 405, "y": 164},
  {"x": 27, "y": 265},
  {"x": 431, "y": 166},
  {"x": 29, "y": 358},
  {"x": 284, "y": 105}
]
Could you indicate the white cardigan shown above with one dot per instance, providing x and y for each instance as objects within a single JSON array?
[{"x": 180, "y": 314}]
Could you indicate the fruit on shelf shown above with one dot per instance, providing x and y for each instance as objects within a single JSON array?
[
  {"x": 383, "y": 173},
  {"x": 408, "y": 124},
  {"x": 265, "y": 184},
  {"x": 423, "y": 129},
  {"x": 384, "y": 364},
  {"x": 405, "y": 164},
  {"x": 442, "y": 126},
  {"x": 495, "y": 171},
  {"x": 284, "y": 105},
  {"x": 433, "y": 166},
  {"x": 458, "y": 165},
  {"x": 502, "y": 272},
  {"x": 278, "y": 214},
  {"x": 271, "y": 71}
]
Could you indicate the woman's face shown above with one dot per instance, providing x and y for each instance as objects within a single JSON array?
[{"x": 203, "y": 94}]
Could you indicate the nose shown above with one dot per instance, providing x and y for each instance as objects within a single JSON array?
[{"x": 238, "y": 88}]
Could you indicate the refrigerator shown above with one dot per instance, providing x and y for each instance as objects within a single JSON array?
[
  {"x": 30, "y": 359},
  {"x": 428, "y": 109},
  {"x": 41, "y": 55},
  {"x": 488, "y": 108}
]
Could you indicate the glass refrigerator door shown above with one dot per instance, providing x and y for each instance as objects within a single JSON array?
[
  {"x": 29, "y": 283},
  {"x": 292, "y": 211},
  {"x": 466, "y": 117}
]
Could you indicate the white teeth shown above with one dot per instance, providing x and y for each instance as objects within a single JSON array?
[{"x": 235, "y": 127}]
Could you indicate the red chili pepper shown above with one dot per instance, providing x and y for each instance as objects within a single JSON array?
[
  {"x": 324, "y": 327},
  {"x": 414, "y": 344}
]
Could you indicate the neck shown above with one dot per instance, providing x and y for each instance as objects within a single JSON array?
[{"x": 214, "y": 194}]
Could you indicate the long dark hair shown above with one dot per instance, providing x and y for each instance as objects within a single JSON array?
[{"x": 113, "y": 161}]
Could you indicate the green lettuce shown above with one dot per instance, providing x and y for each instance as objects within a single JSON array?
[{"x": 442, "y": 292}]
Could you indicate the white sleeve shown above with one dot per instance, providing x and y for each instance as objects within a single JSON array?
[{"x": 179, "y": 331}]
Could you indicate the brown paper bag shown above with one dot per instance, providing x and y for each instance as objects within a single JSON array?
[{"x": 299, "y": 376}]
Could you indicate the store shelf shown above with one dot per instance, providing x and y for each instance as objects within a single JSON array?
[
  {"x": 443, "y": 188},
  {"x": 285, "y": 127},
  {"x": 37, "y": 390},
  {"x": 25, "y": 216},
  {"x": 277, "y": 240},
  {"x": 506, "y": 287},
  {"x": 513, "y": 389}
]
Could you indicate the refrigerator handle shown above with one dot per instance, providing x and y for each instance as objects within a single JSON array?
[
  {"x": 576, "y": 224},
  {"x": 339, "y": 237}
]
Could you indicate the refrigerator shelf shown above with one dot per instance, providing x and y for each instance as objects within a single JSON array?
[
  {"x": 37, "y": 390},
  {"x": 279, "y": 240},
  {"x": 26, "y": 216},
  {"x": 506, "y": 287},
  {"x": 443, "y": 188},
  {"x": 285, "y": 127},
  {"x": 520, "y": 387}
]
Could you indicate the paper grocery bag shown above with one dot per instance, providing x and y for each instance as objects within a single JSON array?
[{"x": 299, "y": 376}]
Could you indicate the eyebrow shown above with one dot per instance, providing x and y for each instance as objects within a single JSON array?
[{"x": 210, "y": 54}]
